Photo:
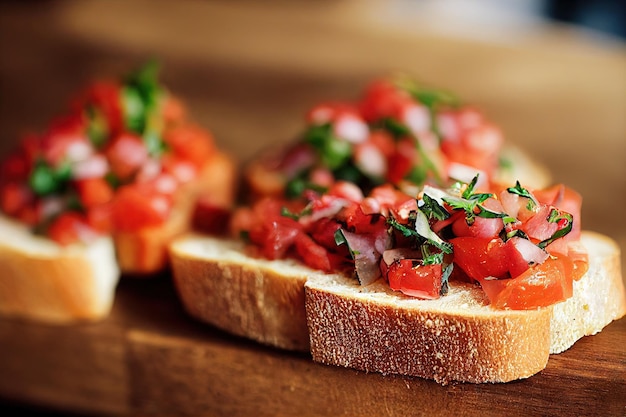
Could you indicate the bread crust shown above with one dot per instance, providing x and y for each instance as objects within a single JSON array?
[
  {"x": 373, "y": 329},
  {"x": 255, "y": 298},
  {"x": 144, "y": 251},
  {"x": 43, "y": 281},
  {"x": 456, "y": 338}
]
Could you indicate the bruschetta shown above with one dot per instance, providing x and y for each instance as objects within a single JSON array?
[
  {"x": 388, "y": 240},
  {"x": 103, "y": 190}
]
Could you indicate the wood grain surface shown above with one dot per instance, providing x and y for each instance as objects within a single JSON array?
[{"x": 248, "y": 71}]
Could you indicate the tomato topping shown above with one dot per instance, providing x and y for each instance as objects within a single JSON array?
[
  {"x": 135, "y": 207},
  {"x": 414, "y": 279},
  {"x": 126, "y": 154},
  {"x": 209, "y": 217},
  {"x": 540, "y": 286},
  {"x": 314, "y": 255},
  {"x": 94, "y": 191},
  {"x": 68, "y": 228},
  {"x": 190, "y": 143},
  {"x": 14, "y": 197}
]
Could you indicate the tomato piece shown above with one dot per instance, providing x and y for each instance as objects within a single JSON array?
[
  {"x": 15, "y": 167},
  {"x": 66, "y": 228},
  {"x": 482, "y": 227},
  {"x": 94, "y": 191},
  {"x": 135, "y": 207},
  {"x": 313, "y": 254},
  {"x": 272, "y": 232},
  {"x": 323, "y": 232},
  {"x": 14, "y": 197},
  {"x": 359, "y": 222},
  {"x": 173, "y": 110},
  {"x": 481, "y": 257},
  {"x": 105, "y": 96},
  {"x": 126, "y": 153},
  {"x": 401, "y": 161},
  {"x": 540, "y": 286},
  {"x": 190, "y": 143},
  {"x": 416, "y": 280},
  {"x": 99, "y": 218},
  {"x": 209, "y": 217}
]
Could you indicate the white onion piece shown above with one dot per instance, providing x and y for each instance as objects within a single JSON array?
[
  {"x": 96, "y": 166},
  {"x": 392, "y": 255},
  {"x": 417, "y": 118},
  {"x": 370, "y": 160},
  {"x": 351, "y": 129},
  {"x": 531, "y": 253},
  {"x": 78, "y": 150},
  {"x": 466, "y": 173}
]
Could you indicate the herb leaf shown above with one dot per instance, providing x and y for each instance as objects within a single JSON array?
[
  {"x": 523, "y": 192},
  {"x": 565, "y": 221},
  {"x": 433, "y": 209}
]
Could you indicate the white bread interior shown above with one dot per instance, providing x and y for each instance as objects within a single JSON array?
[
  {"x": 456, "y": 338},
  {"x": 44, "y": 281}
]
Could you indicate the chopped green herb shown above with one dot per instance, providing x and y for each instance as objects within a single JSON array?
[
  {"x": 523, "y": 192},
  {"x": 44, "y": 180},
  {"x": 284, "y": 211},
  {"x": 433, "y": 209},
  {"x": 565, "y": 222}
]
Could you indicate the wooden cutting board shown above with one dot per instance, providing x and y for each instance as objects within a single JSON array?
[
  {"x": 249, "y": 71},
  {"x": 149, "y": 358}
]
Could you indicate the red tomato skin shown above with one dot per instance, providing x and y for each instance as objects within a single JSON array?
[
  {"x": 540, "y": 286},
  {"x": 94, "y": 191},
  {"x": 275, "y": 237},
  {"x": 134, "y": 208},
  {"x": 64, "y": 229},
  {"x": 323, "y": 232},
  {"x": 14, "y": 197},
  {"x": 421, "y": 281},
  {"x": 190, "y": 143},
  {"x": 313, "y": 254},
  {"x": 209, "y": 217},
  {"x": 481, "y": 257}
]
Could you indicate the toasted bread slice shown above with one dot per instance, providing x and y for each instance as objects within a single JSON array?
[
  {"x": 45, "y": 281},
  {"x": 255, "y": 298},
  {"x": 144, "y": 251},
  {"x": 458, "y": 337}
]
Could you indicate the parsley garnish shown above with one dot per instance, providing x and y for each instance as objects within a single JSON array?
[
  {"x": 419, "y": 228},
  {"x": 523, "y": 192}
]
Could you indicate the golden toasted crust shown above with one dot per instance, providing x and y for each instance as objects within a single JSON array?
[
  {"x": 44, "y": 281},
  {"x": 255, "y": 298},
  {"x": 458, "y": 337},
  {"x": 371, "y": 331},
  {"x": 145, "y": 251}
]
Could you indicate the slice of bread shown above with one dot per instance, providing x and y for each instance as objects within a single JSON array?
[
  {"x": 45, "y": 281},
  {"x": 458, "y": 337},
  {"x": 255, "y": 298},
  {"x": 144, "y": 251}
]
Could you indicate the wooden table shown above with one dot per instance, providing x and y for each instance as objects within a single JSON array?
[{"x": 249, "y": 71}]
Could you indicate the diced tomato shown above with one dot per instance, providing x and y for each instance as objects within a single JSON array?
[
  {"x": 180, "y": 169},
  {"x": 481, "y": 227},
  {"x": 359, "y": 222},
  {"x": 209, "y": 217},
  {"x": 323, "y": 232},
  {"x": 134, "y": 208},
  {"x": 313, "y": 254},
  {"x": 402, "y": 161},
  {"x": 540, "y": 286},
  {"x": 481, "y": 257},
  {"x": 190, "y": 143},
  {"x": 105, "y": 97},
  {"x": 565, "y": 199},
  {"x": 14, "y": 197},
  {"x": 383, "y": 100},
  {"x": 414, "y": 279},
  {"x": 272, "y": 232},
  {"x": 66, "y": 228},
  {"x": 15, "y": 167},
  {"x": 94, "y": 191},
  {"x": 31, "y": 214},
  {"x": 99, "y": 218},
  {"x": 173, "y": 110},
  {"x": 126, "y": 154}
]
